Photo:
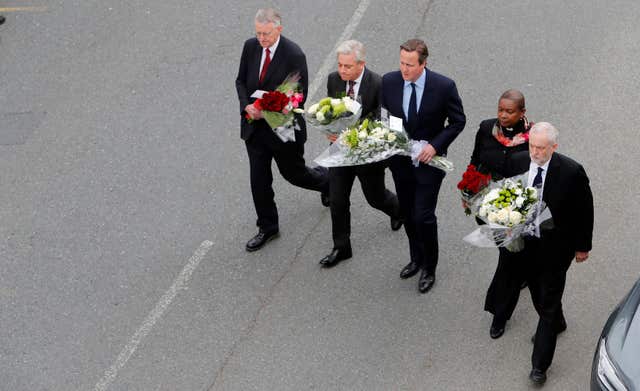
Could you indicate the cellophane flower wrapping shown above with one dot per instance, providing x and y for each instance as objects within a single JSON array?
[
  {"x": 333, "y": 115},
  {"x": 471, "y": 185},
  {"x": 511, "y": 211},
  {"x": 371, "y": 141},
  {"x": 278, "y": 107}
]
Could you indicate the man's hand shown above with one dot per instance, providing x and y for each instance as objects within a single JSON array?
[
  {"x": 427, "y": 153},
  {"x": 253, "y": 112},
  {"x": 582, "y": 256},
  {"x": 332, "y": 137}
]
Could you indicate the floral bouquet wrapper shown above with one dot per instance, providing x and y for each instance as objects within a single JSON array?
[
  {"x": 511, "y": 211},
  {"x": 333, "y": 115},
  {"x": 471, "y": 185},
  {"x": 371, "y": 141},
  {"x": 278, "y": 108}
]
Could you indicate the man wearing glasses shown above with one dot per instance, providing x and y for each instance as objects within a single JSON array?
[{"x": 267, "y": 60}]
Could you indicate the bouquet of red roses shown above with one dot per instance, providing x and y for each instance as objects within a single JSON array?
[
  {"x": 473, "y": 181},
  {"x": 279, "y": 106}
]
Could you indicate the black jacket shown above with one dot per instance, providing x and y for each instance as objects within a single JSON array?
[
  {"x": 288, "y": 59},
  {"x": 489, "y": 156}
]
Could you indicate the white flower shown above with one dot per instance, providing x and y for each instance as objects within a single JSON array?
[
  {"x": 493, "y": 217},
  {"x": 520, "y": 201},
  {"x": 362, "y": 134},
  {"x": 391, "y": 137},
  {"x": 518, "y": 191},
  {"x": 503, "y": 216},
  {"x": 320, "y": 116},
  {"x": 313, "y": 109},
  {"x": 335, "y": 102},
  {"x": 483, "y": 210},
  {"x": 515, "y": 217},
  {"x": 494, "y": 194}
]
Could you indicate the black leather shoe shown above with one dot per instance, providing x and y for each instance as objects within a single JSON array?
[
  {"x": 396, "y": 223},
  {"x": 538, "y": 376},
  {"x": 324, "y": 198},
  {"x": 256, "y": 242},
  {"x": 335, "y": 257},
  {"x": 2, "y": 19},
  {"x": 409, "y": 271},
  {"x": 426, "y": 281},
  {"x": 497, "y": 328}
]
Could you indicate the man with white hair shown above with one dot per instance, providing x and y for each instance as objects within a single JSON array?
[
  {"x": 354, "y": 79},
  {"x": 267, "y": 60},
  {"x": 564, "y": 187}
]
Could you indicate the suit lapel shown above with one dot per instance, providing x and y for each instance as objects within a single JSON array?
[
  {"x": 364, "y": 84},
  {"x": 550, "y": 182},
  {"x": 427, "y": 93},
  {"x": 276, "y": 60}
]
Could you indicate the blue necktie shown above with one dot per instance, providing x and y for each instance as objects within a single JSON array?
[
  {"x": 537, "y": 181},
  {"x": 413, "y": 108}
]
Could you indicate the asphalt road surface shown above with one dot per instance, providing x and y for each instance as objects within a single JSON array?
[{"x": 125, "y": 202}]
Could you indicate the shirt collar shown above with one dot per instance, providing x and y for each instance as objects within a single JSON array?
[
  {"x": 420, "y": 82},
  {"x": 272, "y": 48},
  {"x": 534, "y": 166},
  {"x": 359, "y": 79}
]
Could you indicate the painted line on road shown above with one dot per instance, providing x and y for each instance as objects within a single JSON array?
[
  {"x": 23, "y": 9},
  {"x": 327, "y": 65},
  {"x": 158, "y": 311}
]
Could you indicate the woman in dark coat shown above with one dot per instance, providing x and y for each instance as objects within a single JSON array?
[{"x": 496, "y": 141}]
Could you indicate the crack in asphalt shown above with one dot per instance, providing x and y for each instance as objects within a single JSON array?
[{"x": 264, "y": 303}]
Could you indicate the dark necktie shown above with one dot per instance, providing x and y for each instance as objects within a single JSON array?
[
  {"x": 537, "y": 181},
  {"x": 267, "y": 61},
  {"x": 413, "y": 108},
  {"x": 351, "y": 92}
]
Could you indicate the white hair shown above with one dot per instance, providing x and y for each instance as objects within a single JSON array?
[
  {"x": 352, "y": 47},
  {"x": 547, "y": 129},
  {"x": 268, "y": 15}
]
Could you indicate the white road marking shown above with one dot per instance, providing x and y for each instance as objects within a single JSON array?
[
  {"x": 158, "y": 311},
  {"x": 184, "y": 276},
  {"x": 327, "y": 65}
]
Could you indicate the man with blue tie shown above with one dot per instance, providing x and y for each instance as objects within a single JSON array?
[{"x": 431, "y": 110}]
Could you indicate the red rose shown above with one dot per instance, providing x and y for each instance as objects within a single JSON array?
[{"x": 274, "y": 101}]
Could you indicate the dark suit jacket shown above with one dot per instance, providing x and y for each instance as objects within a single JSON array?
[
  {"x": 369, "y": 91},
  {"x": 288, "y": 59},
  {"x": 490, "y": 155},
  {"x": 567, "y": 193},
  {"x": 440, "y": 103}
]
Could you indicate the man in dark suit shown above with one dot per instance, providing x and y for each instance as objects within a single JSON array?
[
  {"x": 564, "y": 186},
  {"x": 266, "y": 62},
  {"x": 354, "y": 79},
  {"x": 424, "y": 100}
]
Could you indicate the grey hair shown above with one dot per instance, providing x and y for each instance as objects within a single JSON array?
[
  {"x": 352, "y": 47},
  {"x": 546, "y": 128},
  {"x": 268, "y": 15}
]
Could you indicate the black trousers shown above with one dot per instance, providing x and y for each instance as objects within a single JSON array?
[
  {"x": 371, "y": 177},
  {"x": 264, "y": 147},
  {"x": 504, "y": 290},
  {"x": 417, "y": 207},
  {"x": 546, "y": 274}
]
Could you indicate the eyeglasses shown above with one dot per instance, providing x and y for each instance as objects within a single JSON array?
[{"x": 260, "y": 34}]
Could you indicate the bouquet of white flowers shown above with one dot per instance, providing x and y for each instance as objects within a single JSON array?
[
  {"x": 511, "y": 212},
  {"x": 370, "y": 141},
  {"x": 334, "y": 115}
]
